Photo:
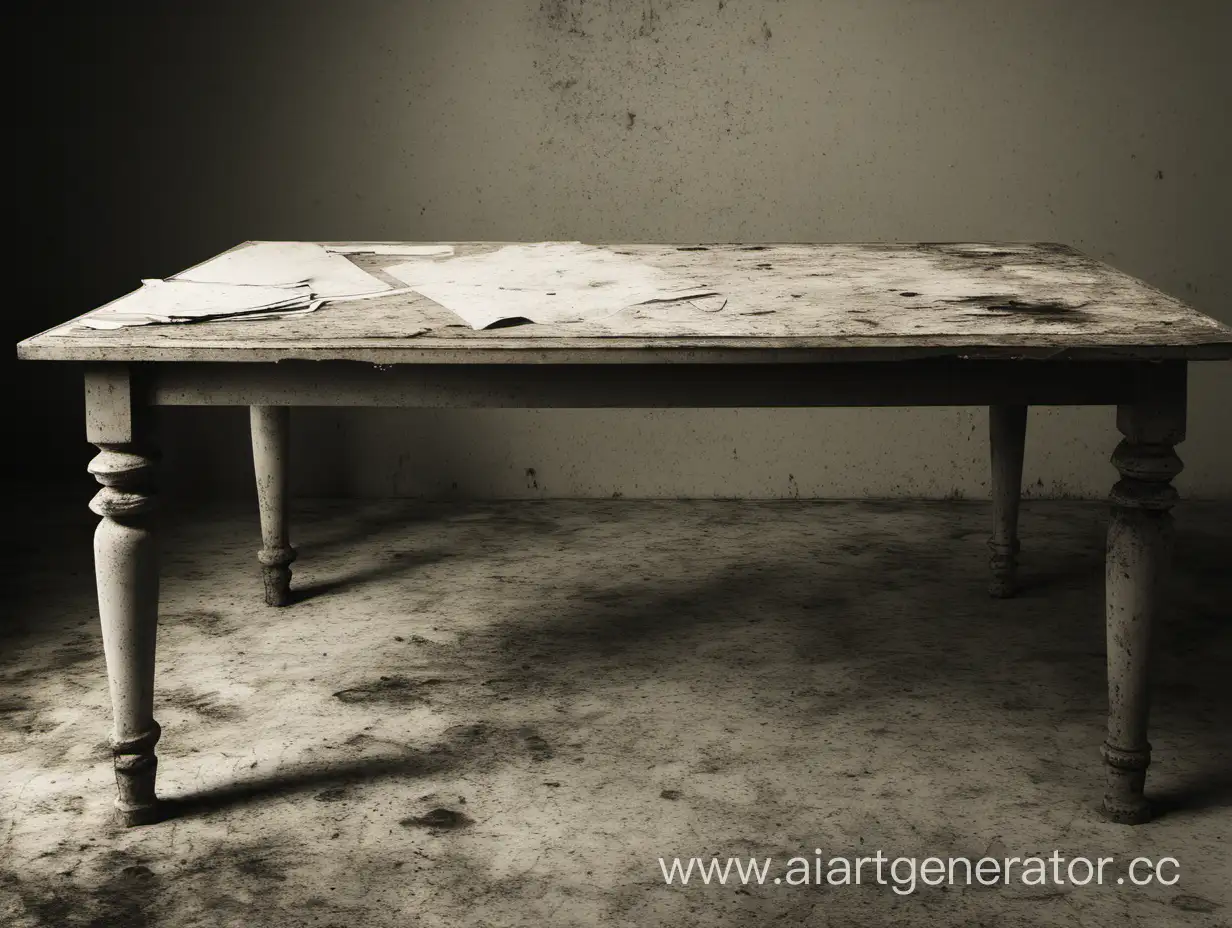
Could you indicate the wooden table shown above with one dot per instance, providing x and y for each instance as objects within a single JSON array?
[{"x": 1002, "y": 325}]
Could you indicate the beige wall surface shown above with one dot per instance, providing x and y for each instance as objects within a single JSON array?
[{"x": 1102, "y": 123}]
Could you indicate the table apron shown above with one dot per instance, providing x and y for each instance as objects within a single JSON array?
[{"x": 929, "y": 382}]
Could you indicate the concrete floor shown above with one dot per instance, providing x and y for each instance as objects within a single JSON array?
[{"x": 589, "y": 686}]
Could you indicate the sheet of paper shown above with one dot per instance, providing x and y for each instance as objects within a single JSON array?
[
  {"x": 390, "y": 248},
  {"x": 546, "y": 282},
  {"x": 150, "y": 307},
  {"x": 169, "y": 301},
  {"x": 329, "y": 275},
  {"x": 264, "y": 280}
]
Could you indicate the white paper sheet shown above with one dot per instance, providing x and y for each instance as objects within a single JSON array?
[
  {"x": 263, "y": 280},
  {"x": 390, "y": 248},
  {"x": 151, "y": 305},
  {"x": 329, "y": 275},
  {"x": 547, "y": 282},
  {"x": 169, "y": 301}
]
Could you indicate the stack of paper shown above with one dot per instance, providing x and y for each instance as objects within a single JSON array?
[
  {"x": 549, "y": 282},
  {"x": 259, "y": 281},
  {"x": 166, "y": 301},
  {"x": 280, "y": 263}
]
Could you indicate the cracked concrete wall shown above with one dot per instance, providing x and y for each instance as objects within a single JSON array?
[{"x": 1100, "y": 124}]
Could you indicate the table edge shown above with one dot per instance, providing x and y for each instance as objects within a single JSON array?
[{"x": 622, "y": 350}]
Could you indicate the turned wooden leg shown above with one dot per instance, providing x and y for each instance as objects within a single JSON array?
[
  {"x": 271, "y": 430},
  {"x": 126, "y": 569},
  {"x": 1139, "y": 549},
  {"x": 1007, "y": 431}
]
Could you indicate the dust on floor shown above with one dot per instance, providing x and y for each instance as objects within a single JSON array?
[{"x": 507, "y": 713}]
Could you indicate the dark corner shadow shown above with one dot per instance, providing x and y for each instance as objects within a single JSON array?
[
  {"x": 411, "y": 764},
  {"x": 1212, "y": 791},
  {"x": 400, "y": 562},
  {"x": 346, "y": 524},
  {"x": 1077, "y": 574},
  {"x": 823, "y": 614}
]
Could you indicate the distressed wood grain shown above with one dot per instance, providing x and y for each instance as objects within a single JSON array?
[
  {"x": 126, "y": 573},
  {"x": 851, "y": 301},
  {"x": 271, "y": 461},
  {"x": 1138, "y": 562},
  {"x": 1007, "y": 433}
]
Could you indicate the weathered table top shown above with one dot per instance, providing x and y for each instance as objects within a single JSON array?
[{"x": 824, "y": 302}]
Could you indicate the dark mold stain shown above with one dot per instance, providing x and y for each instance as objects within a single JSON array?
[
  {"x": 672, "y": 794},
  {"x": 395, "y": 690},
  {"x": 1009, "y": 304},
  {"x": 630, "y": 119},
  {"x": 753, "y": 248},
  {"x": 765, "y": 32},
  {"x": 12, "y": 704},
  {"x": 692, "y": 248},
  {"x": 908, "y": 293},
  {"x": 562, "y": 84},
  {"x": 206, "y": 705},
  {"x": 260, "y": 867},
  {"x": 966, "y": 257},
  {"x": 1187, "y": 903},
  {"x": 205, "y": 621},
  {"x": 764, "y": 267},
  {"x": 559, "y": 16},
  {"x": 333, "y": 794},
  {"x": 649, "y": 18},
  {"x": 532, "y": 482},
  {"x": 438, "y": 820},
  {"x": 1159, "y": 175},
  {"x": 539, "y": 749}
]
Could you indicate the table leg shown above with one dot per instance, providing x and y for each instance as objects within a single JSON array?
[
  {"x": 126, "y": 570},
  {"x": 1138, "y": 554},
  {"x": 271, "y": 430},
  {"x": 1007, "y": 431}
]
